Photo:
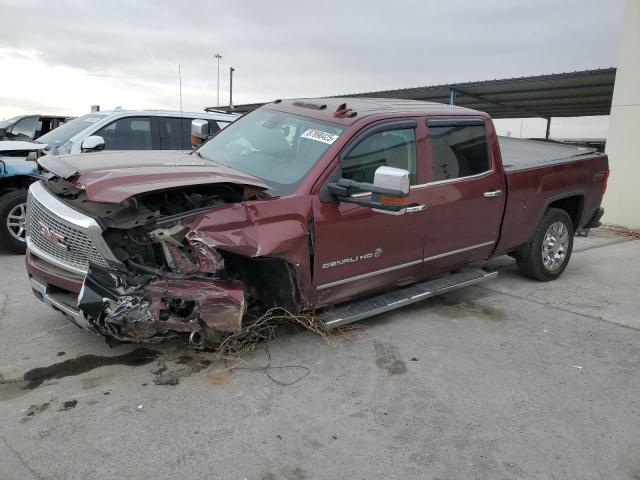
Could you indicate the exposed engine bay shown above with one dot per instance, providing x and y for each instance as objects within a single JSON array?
[{"x": 167, "y": 278}]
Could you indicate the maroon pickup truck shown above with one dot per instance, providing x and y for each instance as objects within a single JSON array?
[{"x": 345, "y": 207}]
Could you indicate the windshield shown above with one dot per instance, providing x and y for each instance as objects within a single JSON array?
[
  {"x": 279, "y": 148},
  {"x": 64, "y": 132}
]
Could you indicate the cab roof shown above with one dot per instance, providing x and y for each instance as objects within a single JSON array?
[{"x": 348, "y": 111}]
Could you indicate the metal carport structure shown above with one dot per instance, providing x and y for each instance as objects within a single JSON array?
[{"x": 573, "y": 94}]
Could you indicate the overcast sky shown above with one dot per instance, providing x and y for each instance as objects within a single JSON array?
[{"x": 63, "y": 56}]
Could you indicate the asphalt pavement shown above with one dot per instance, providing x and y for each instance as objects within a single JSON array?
[{"x": 508, "y": 379}]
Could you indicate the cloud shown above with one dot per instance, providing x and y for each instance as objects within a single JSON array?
[{"x": 290, "y": 48}]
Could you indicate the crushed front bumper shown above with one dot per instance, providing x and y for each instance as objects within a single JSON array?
[
  {"x": 60, "y": 302},
  {"x": 111, "y": 303}
]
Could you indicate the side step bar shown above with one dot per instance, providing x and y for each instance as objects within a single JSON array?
[{"x": 367, "y": 307}]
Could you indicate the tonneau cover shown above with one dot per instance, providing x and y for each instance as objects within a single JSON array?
[{"x": 519, "y": 153}]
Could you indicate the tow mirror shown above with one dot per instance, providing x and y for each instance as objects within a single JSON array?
[
  {"x": 200, "y": 132},
  {"x": 93, "y": 143},
  {"x": 389, "y": 192}
]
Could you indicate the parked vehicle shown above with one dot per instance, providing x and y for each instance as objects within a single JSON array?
[
  {"x": 30, "y": 127},
  {"x": 347, "y": 207},
  {"x": 108, "y": 130}
]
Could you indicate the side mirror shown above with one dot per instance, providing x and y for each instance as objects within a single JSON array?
[
  {"x": 389, "y": 192},
  {"x": 3, "y": 132},
  {"x": 200, "y": 132},
  {"x": 93, "y": 143}
]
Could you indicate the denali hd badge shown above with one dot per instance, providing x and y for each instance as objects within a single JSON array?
[{"x": 365, "y": 256}]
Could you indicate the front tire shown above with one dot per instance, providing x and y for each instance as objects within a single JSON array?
[
  {"x": 13, "y": 216},
  {"x": 549, "y": 251}
]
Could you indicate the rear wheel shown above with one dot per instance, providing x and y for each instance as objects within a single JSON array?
[
  {"x": 548, "y": 253},
  {"x": 13, "y": 218}
]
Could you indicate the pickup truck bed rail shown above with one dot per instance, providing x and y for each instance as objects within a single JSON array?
[{"x": 522, "y": 154}]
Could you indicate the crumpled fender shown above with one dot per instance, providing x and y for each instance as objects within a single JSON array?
[
  {"x": 221, "y": 304},
  {"x": 277, "y": 228}
]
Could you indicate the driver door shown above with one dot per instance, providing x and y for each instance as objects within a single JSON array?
[{"x": 358, "y": 250}]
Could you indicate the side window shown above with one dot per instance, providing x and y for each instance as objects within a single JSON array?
[
  {"x": 171, "y": 133},
  {"x": 130, "y": 133},
  {"x": 458, "y": 151},
  {"x": 45, "y": 125},
  {"x": 222, "y": 124},
  {"x": 392, "y": 148},
  {"x": 25, "y": 127}
]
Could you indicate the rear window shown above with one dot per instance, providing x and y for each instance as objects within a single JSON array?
[{"x": 458, "y": 151}]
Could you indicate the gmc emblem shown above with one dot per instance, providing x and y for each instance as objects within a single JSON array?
[{"x": 54, "y": 238}]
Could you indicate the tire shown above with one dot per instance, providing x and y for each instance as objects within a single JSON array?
[
  {"x": 13, "y": 208},
  {"x": 548, "y": 253}
]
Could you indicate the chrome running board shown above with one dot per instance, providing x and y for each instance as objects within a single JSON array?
[{"x": 384, "y": 302}]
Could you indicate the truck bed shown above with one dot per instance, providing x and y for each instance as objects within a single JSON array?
[{"x": 521, "y": 154}]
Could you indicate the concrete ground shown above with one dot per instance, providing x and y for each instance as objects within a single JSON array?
[{"x": 509, "y": 379}]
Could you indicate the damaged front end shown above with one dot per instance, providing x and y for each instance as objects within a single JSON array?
[
  {"x": 150, "y": 308},
  {"x": 187, "y": 262}
]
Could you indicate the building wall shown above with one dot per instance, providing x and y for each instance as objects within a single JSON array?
[{"x": 622, "y": 200}]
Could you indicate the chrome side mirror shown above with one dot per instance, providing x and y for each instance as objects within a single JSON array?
[
  {"x": 389, "y": 192},
  {"x": 200, "y": 132},
  {"x": 390, "y": 178},
  {"x": 93, "y": 143}
]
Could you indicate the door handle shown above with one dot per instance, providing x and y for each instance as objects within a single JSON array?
[
  {"x": 415, "y": 208},
  {"x": 493, "y": 194}
]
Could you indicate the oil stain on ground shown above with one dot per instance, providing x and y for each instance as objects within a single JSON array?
[
  {"x": 11, "y": 388},
  {"x": 188, "y": 365},
  {"x": 388, "y": 358},
  {"x": 68, "y": 405},
  {"x": 85, "y": 363},
  {"x": 452, "y": 307},
  {"x": 34, "y": 410}
]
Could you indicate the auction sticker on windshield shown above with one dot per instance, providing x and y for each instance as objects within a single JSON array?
[{"x": 319, "y": 136}]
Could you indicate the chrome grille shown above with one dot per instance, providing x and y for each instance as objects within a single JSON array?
[{"x": 76, "y": 250}]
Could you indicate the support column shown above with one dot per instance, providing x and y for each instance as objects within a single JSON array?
[{"x": 623, "y": 195}]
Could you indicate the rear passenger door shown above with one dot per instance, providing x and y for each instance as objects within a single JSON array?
[
  {"x": 465, "y": 194},
  {"x": 129, "y": 133},
  {"x": 175, "y": 132}
]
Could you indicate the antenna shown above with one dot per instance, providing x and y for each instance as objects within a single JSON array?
[{"x": 180, "y": 87}]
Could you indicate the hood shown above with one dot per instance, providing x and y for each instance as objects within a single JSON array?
[
  {"x": 20, "y": 146},
  {"x": 111, "y": 177}
]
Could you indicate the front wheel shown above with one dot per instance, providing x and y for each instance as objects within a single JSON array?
[
  {"x": 548, "y": 253},
  {"x": 13, "y": 218}
]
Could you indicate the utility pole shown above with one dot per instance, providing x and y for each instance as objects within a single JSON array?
[
  {"x": 218, "y": 57},
  {"x": 231, "y": 70}
]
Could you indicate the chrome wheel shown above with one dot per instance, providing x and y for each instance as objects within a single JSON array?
[
  {"x": 17, "y": 221},
  {"x": 555, "y": 246}
]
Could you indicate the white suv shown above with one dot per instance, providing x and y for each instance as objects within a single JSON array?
[
  {"x": 130, "y": 130},
  {"x": 109, "y": 130}
]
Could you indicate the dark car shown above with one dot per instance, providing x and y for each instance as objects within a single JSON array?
[{"x": 29, "y": 127}]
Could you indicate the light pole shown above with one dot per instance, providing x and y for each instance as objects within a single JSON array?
[
  {"x": 218, "y": 57},
  {"x": 231, "y": 70}
]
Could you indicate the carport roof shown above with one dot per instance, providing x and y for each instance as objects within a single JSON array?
[{"x": 573, "y": 94}]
